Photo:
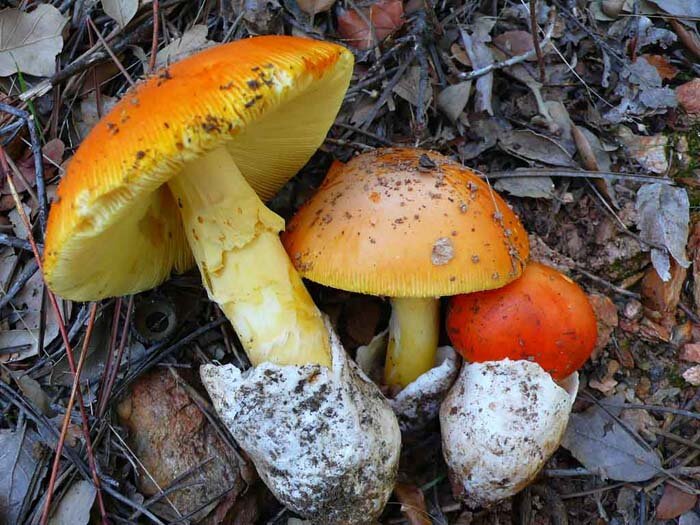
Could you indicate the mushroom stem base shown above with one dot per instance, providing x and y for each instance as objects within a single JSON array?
[
  {"x": 235, "y": 242},
  {"x": 413, "y": 339}
]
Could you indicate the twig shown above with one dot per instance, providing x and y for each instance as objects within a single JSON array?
[
  {"x": 154, "y": 357},
  {"x": 154, "y": 42},
  {"x": 38, "y": 162},
  {"x": 111, "y": 54},
  {"x": 15, "y": 242},
  {"x": 388, "y": 90},
  {"x": 66, "y": 420},
  {"x": 120, "y": 353},
  {"x": 517, "y": 59},
  {"x": 26, "y": 274},
  {"x": 578, "y": 174},
  {"x": 534, "y": 29}
]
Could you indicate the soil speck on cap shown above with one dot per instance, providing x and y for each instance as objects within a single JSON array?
[{"x": 443, "y": 251}]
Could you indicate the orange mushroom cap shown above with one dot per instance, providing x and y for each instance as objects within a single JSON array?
[
  {"x": 406, "y": 223},
  {"x": 114, "y": 227},
  {"x": 543, "y": 316}
]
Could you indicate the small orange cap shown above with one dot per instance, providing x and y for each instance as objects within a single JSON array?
[
  {"x": 406, "y": 223},
  {"x": 544, "y": 317}
]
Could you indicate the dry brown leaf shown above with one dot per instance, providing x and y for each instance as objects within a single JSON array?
[
  {"x": 667, "y": 71},
  {"x": 30, "y": 41},
  {"x": 607, "y": 318},
  {"x": 607, "y": 383},
  {"x": 674, "y": 502},
  {"x": 660, "y": 299},
  {"x": 689, "y": 96},
  {"x": 412, "y": 504},
  {"x": 515, "y": 43},
  {"x": 385, "y": 16},
  {"x": 314, "y": 7},
  {"x": 694, "y": 255}
]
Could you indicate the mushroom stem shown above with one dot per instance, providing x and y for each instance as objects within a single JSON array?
[
  {"x": 234, "y": 240},
  {"x": 413, "y": 339}
]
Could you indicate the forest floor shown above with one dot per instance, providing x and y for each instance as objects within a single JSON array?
[{"x": 592, "y": 136}]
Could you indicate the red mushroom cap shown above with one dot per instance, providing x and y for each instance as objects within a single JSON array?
[{"x": 543, "y": 316}]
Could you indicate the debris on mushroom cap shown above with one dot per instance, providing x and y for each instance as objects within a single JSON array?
[
  {"x": 175, "y": 444},
  {"x": 114, "y": 228},
  {"x": 500, "y": 423},
  {"x": 543, "y": 316},
  {"x": 406, "y": 223},
  {"x": 324, "y": 440},
  {"x": 419, "y": 403}
]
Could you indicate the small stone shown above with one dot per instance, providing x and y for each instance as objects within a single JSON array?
[
  {"x": 692, "y": 375},
  {"x": 633, "y": 310},
  {"x": 691, "y": 353}
]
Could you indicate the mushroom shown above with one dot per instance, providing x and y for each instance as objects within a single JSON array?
[
  {"x": 169, "y": 178},
  {"x": 412, "y": 225},
  {"x": 507, "y": 412},
  {"x": 543, "y": 317}
]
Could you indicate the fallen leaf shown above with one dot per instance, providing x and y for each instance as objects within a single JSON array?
[
  {"x": 33, "y": 392},
  {"x": 662, "y": 219},
  {"x": 674, "y": 502},
  {"x": 602, "y": 446},
  {"x": 607, "y": 383},
  {"x": 606, "y": 317},
  {"x": 533, "y": 187},
  {"x": 660, "y": 298},
  {"x": 515, "y": 42},
  {"x": 385, "y": 16},
  {"x": 527, "y": 144},
  {"x": 680, "y": 8},
  {"x": 694, "y": 251},
  {"x": 689, "y": 518},
  {"x": 18, "y": 463},
  {"x": 412, "y": 502},
  {"x": 262, "y": 17},
  {"x": 74, "y": 507},
  {"x": 689, "y": 96},
  {"x": 453, "y": 99},
  {"x": 480, "y": 55},
  {"x": 30, "y": 41},
  {"x": 314, "y": 7},
  {"x": 407, "y": 87},
  {"x": 89, "y": 114},
  {"x": 666, "y": 70},
  {"x": 191, "y": 41},
  {"x": 52, "y": 155},
  {"x": 121, "y": 11},
  {"x": 648, "y": 151}
]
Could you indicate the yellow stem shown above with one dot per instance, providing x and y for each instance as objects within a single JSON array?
[
  {"x": 413, "y": 339},
  {"x": 235, "y": 241}
]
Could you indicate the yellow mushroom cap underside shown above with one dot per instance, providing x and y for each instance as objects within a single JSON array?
[
  {"x": 114, "y": 227},
  {"x": 406, "y": 223}
]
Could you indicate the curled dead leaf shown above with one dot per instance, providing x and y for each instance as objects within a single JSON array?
[{"x": 383, "y": 18}]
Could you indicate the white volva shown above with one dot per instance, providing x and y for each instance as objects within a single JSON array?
[
  {"x": 324, "y": 440},
  {"x": 500, "y": 423}
]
